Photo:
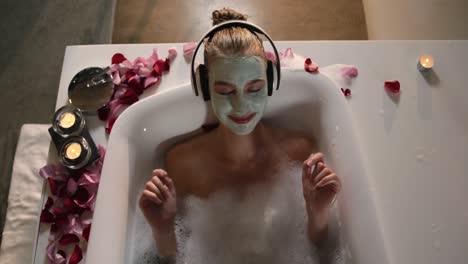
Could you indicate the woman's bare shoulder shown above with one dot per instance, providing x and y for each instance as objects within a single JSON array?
[
  {"x": 185, "y": 158},
  {"x": 298, "y": 145}
]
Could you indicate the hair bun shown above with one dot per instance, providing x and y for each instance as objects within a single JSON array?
[{"x": 226, "y": 14}]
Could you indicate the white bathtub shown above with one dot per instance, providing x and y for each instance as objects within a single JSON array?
[{"x": 147, "y": 129}]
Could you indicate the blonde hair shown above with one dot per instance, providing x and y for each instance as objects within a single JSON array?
[{"x": 233, "y": 41}]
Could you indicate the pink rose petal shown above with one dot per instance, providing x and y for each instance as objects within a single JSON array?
[
  {"x": 116, "y": 78},
  {"x": 172, "y": 54},
  {"x": 71, "y": 186},
  {"x": 269, "y": 55},
  {"x": 51, "y": 252},
  {"x": 189, "y": 49},
  {"x": 310, "y": 66},
  {"x": 346, "y": 92},
  {"x": 60, "y": 257},
  {"x": 349, "y": 72},
  {"x": 150, "y": 81},
  {"x": 76, "y": 256},
  {"x": 393, "y": 86},
  {"x": 155, "y": 55}
]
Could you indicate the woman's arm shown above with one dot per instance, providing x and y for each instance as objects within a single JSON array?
[{"x": 159, "y": 206}]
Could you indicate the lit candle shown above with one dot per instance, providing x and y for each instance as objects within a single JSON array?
[
  {"x": 425, "y": 63},
  {"x": 67, "y": 120},
  {"x": 73, "y": 151}
]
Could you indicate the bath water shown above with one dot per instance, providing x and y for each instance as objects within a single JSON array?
[{"x": 264, "y": 224}]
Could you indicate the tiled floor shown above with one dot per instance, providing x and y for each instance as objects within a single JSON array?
[{"x": 148, "y": 21}]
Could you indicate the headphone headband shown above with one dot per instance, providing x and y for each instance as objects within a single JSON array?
[{"x": 235, "y": 23}]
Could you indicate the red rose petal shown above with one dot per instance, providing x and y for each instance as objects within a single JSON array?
[
  {"x": 61, "y": 220},
  {"x": 135, "y": 84},
  {"x": 81, "y": 196},
  {"x": 129, "y": 75},
  {"x": 68, "y": 239},
  {"x": 110, "y": 124},
  {"x": 52, "y": 185},
  {"x": 60, "y": 257},
  {"x": 103, "y": 113},
  {"x": 76, "y": 256},
  {"x": 161, "y": 66},
  {"x": 49, "y": 203},
  {"x": 58, "y": 211},
  {"x": 346, "y": 92},
  {"x": 47, "y": 217},
  {"x": 393, "y": 86},
  {"x": 129, "y": 97},
  {"x": 86, "y": 232},
  {"x": 309, "y": 66},
  {"x": 118, "y": 58}
]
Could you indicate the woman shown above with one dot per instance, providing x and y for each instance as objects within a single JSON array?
[{"x": 242, "y": 150}]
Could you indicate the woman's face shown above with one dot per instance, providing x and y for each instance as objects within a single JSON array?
[{"x": 238, "y": 91}]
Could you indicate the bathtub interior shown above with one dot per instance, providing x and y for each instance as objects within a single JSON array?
[{"x": 312, "y": 104}]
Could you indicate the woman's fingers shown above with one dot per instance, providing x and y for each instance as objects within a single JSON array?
[
  {"x": 159, "y": 172},
  {"x": 151, "y": 196},
  {"x": 330, "y": 179},
  {"x": 157, "y": 182},
  {"x": 309, "y": 167},
  {"x": 322, "y": 171},
  {"x": 168, "y": 182},
  {"x": 319, "y": 167}
]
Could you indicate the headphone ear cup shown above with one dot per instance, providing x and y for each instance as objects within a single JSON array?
[
  {"x": 202, "y": 73},
  {"x": 270, "y": 77}
]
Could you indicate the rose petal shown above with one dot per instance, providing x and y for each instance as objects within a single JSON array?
[
  {"x": 155, "y": 55},
  {"x": 139, "y": 60},
  {"x": 47, "y": 217},
  {"x": 129, "y": 97},
  {"x": 150, "y": 81},
  {"x": 135, "y": 84},
  {"x": 172, "y": 54},
  {"x": 189, "y": 49},
  {"x": 51, "y": 251},
  {"x": 269, "y": 55},
  {"x": 116, "y": 78},
  {"x": 161, "y": 66},
  {"x": 76, "y": 256},
  {"x": 49, "y": 203},
  {"x": 81, "y": 197},
  {"x": 118, "y": 58},
  {"x": 393, "y": 86},
  {"x": 71, "y": 186},
  {"x": 68, "y": 239},
  {"x": 144, "y": 71},
  {"x": 346, "y": 92},
  {"x": 309, "y": 66},
  {"x": 349, "y": 72},
  {"x": 52, "y": 185},
  {"x": 86, "y": 231},
  {"x": 60, "y": 257}
]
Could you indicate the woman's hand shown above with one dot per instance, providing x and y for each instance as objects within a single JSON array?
[
  {"x": 158, "y": 202},
  {"x": 320, "y": 187}
]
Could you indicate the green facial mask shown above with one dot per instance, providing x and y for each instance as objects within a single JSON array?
[{"x": 233, "y": 109}]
